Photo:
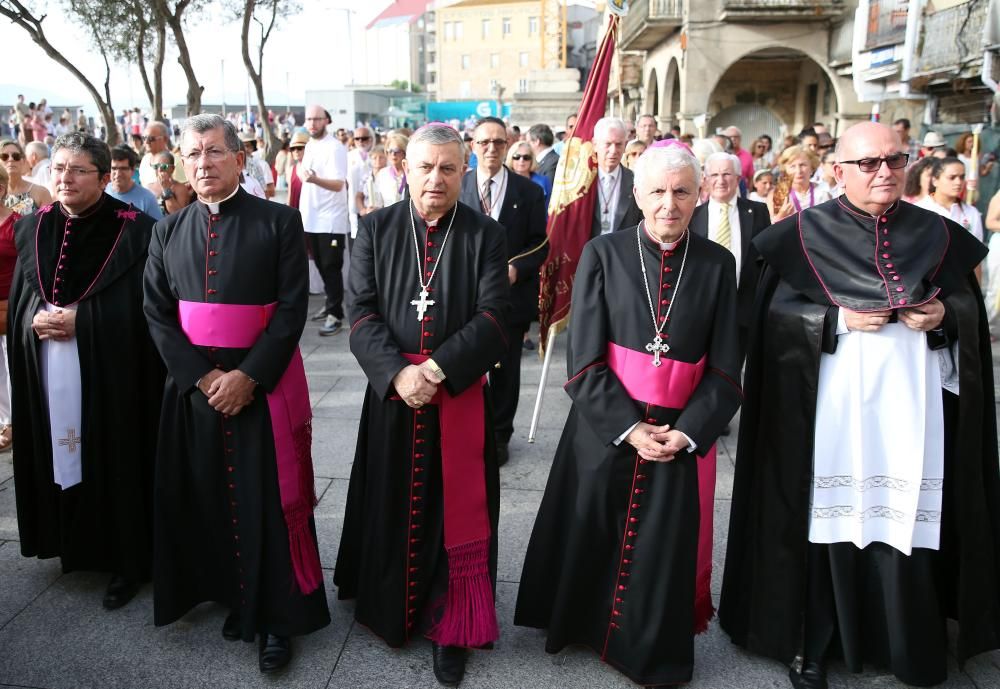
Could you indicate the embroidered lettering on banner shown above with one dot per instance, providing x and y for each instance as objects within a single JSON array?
[{"x": 891, "y": 482}]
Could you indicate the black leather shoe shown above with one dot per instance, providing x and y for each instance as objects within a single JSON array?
[
  {"x": 275, "y": 652},
  {"x": 812, "y": 676},
  {"x": 502, "y": 453},
  {"x": 120, "y": 591},
  {"x": 449, "y": 664},
  {"x": 232, "y": 628}
]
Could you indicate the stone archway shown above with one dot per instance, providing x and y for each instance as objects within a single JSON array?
[
  {"x": 651, "y": 104},
  {"x": 672, "y": 93}
]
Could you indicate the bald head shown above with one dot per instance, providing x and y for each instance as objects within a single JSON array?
[{"x": 873, "y": 191}]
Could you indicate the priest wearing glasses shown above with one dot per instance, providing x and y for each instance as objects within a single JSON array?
[
  {"x": 620, "y": 554},
  {"x": 428, "y": 303},
  {"x": 866, "y": 505}
]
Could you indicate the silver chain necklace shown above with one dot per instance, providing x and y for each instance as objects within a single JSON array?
[
  {"x": 658, "y": 346},
  {"x": 422, "y": 302}
]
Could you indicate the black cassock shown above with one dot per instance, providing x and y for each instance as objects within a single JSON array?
[
  {"x": 782, "y": 595},
  {"x": 392, "y": 557},
  {"x": 94, "y": 261},
  {"x": 612, "y": 559},
  {"x": 220, "y": 531}
]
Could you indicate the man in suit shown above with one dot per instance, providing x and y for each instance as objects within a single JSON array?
[
  {"x": 616, "y": 208},
  {"x": 518, "y": 204},
  {"x": 540, "y": 139},
  {"x": 732, "y": 221}
]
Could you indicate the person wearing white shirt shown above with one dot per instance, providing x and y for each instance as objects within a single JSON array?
[
  {"x": 615, "y": 208},
  {"x": 947, "y": 183},
  {"x": 37, "y": 155},
  {"x": 359, "y": 168},
  {"x": 323, "y": 205},
  {"x": 733, "y": 222}
]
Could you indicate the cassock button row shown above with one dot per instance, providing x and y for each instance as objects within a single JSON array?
[
  {"x": 886, "y": 256},
  {"x": 885, "y": 243}
]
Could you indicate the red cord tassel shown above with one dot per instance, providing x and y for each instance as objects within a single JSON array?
[{"x": 470, "y": 616}]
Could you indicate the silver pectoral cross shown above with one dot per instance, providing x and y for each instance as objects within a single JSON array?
[
  {"x": 657, "y": 347},
  {"x": 422, "y": 304}
]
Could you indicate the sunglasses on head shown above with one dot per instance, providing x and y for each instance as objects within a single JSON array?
[
  {"x": 15, "y": 156},
  {"x": 521, "y": 156}
]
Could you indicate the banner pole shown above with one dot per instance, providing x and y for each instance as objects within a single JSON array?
[{"x": 550, "y": 345}]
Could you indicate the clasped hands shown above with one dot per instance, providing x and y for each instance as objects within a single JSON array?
[
  {"x": 923, "y": 318},
  {"x": 227, "y": 392},
  {"x": 55, "y": 325},
  {"x": 416, "y": 385},
  {"x": 657, "y": 443}
]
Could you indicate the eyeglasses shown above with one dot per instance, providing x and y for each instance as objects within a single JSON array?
[
  {"x": 362, "y": 138},
  {"x": 297, "y": 148},
  {"x": 396, "y": 151},
  {"x": 895, "y": 162},
  {"x": 498, "y": 143},
  {"x": 147, "y": 139},
  {"x": 16, "y": 157},
  {"x": 210, "y": 153},
  {"x": 161, "y": 166},
  {"x": 71, "y": 171},
  {"x": 522, "y": 156}
]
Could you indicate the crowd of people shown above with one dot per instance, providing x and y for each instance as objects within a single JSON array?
[{"x": 156, "y": 295}]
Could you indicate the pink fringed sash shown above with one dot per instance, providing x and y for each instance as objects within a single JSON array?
[
  {"x": 670, "y": 385},
  {"x": 237, "y": 326},
  {"x": 469, "y": 618}
]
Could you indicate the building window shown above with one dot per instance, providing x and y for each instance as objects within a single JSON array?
[
  {"x": 449, "y": 31},
  {"x": 458, "y": 31},
  {"x": 532, "y": 26},
  {"x": 522, "y": 85},
  {"x": 495, "y": 60},
  {"x": 465, "y": 89},
  {"x": 505, "y": 22},
  {"x": 466, "y": 62},
  {"x": 486, "y": 28},
  {"x": 493, "y": 87},
  {"x": 523, "y": 59}
]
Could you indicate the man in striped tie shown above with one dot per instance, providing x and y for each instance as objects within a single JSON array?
[{"x": 732, "y": 222}]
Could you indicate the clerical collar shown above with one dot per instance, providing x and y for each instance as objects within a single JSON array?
[
  {"x": 846, "y": 203},
  {"x": 213, "y": 206},
  {"x": 88, "y": 212},
  {"x": 664, "y": 246}
]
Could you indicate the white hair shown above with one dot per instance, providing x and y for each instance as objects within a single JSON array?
[
  {"x": 605, "y": 125},
  {"x": 436, "y": 134},
  {"x": 665, "y": 158},
  {"x": 702, "y": 148},
  {"x": 722, "y": 156}
]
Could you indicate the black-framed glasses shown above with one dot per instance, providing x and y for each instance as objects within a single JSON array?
[
  {"x": 498, "y": 143},
  {"x": 895, "y": 162},
  {"x": 522, "y": 156},
  {"x": 362, "y": 138}
]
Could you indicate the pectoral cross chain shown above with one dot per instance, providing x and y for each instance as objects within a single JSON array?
[
  {"x": 657, "y": 347},
  {"x": 422, "y": 304}
]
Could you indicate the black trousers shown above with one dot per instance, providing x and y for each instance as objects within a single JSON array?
[
  {"x": 876, "y": 605},
  {"x": 327, "y": 251},
  {"x": 505, "y": 383}
]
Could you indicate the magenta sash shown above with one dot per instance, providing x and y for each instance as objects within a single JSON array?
[
  {"x": 238, "y": 326},
  {"x": 469, "y": 618},
  {"x": 671, "y": 385}
]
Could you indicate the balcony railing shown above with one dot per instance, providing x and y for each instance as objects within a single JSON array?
[
  {"x": 886, "y": 23},
  {"x": 952, "y": 38},
  {"x": 649, "y": 22},
  {"x": 777, "y": 10}
]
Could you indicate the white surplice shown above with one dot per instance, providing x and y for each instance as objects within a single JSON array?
[
  {"x": 878, "y": 459},
  {"x": 64, "y": 392}
]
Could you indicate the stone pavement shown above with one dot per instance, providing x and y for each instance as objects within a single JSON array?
[{"x": 54, "y": 633}]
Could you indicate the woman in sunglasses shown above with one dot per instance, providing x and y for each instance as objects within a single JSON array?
[
  {"x": 521, "y": 161},
  {"x": 21, "y": 196},
  {"x": 391, "y": 180}
]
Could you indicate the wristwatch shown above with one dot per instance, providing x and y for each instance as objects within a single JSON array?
[{"x": 436, "y": 370}]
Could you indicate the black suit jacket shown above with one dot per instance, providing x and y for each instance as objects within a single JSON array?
[
  {"x": 523, "y": 218},
  {"x": 627, "y": 213},
  {"x": 547, "y": 166},
  {"x": 754, "y": 218}
]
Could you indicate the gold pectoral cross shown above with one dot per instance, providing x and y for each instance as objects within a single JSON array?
[{"x": 70, "y": 441}]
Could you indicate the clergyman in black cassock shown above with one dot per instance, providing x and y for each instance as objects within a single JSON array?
[
  {"x": 410, "y": 496},
  {"x": 620, "y": 554},
  {"x": 226, "y": 299},
  {"x": 518, "y": 204},
  {"x": 843, "y": 540},
  {"x": 84, "y": 376}
]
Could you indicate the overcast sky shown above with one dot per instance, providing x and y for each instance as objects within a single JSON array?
[{"x": 307, "y": 51}]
